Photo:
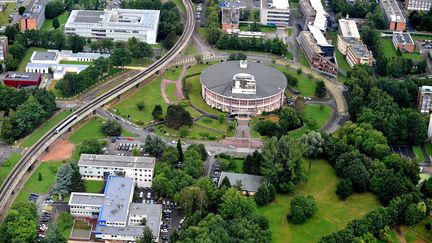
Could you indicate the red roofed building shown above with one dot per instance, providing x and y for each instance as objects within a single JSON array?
[{"x": 21, "y": 79}]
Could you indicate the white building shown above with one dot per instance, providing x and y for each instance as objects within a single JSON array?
[
  {"x": 116, "y": 24},
  {"x": 96, "y": 166},
  {"x": 118, "y": 218},
  {"x": 419, "y": 5},
  {"x": 275, "y": 12},
  {"x": 57, "y": 62}
]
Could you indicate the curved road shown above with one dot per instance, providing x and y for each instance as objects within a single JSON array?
[{"x": 15, "y": 180}]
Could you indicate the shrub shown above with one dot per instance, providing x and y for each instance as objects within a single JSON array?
[{"x": 302, "y": 208}]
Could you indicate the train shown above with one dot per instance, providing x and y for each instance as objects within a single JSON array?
[{"x": 64, "y": 124}]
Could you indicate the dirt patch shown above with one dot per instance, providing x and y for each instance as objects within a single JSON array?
[
  {"x": 178, "y": 92},
  {"x": 59, "y": 150}
]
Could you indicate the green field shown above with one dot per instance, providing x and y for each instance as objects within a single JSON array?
[
  {"x": 415, "y": 56},
  {"x": 238, "y": 162},
  {"x": 212, "y": 123},
  {"x": 140, "y": 62},
  {"x": 194, "y": 132},
  {"x": 191, "y": 50},
  {"x": 47, "y": 25},
  {"x": 4, "y": 16},
  {"x": 262, "y": 28},
  {"x": 90, "y": 129},
  {"x": 428, "y": 147},
  {"x": 195, "y": 95},
  {"x": 76, "y": 62},
  {"x": 342, "y": 63},
  {"x": 418, "y": 152},
  {"x": 39, "y": 132},
  {"x": 332, "y": 214},
  {"x": 93, "y": 186},
  {"x": 173, "y": 73},
  {"x": 203, "y": 32},
  {"x": 303, "y": 59},
  {"x": 170, "y": 91},
  {"x": 180, "y": 6},
  {"x": 194, "y": 113},
  {"x": 418, "y": 232},
  {"x": 290, "y": 31},
  {"x": 315, "y": 112},
  {"x": 196, "y": 69},
  {"x": 150, "y": 94},
  {"x": 7, "y": 166},
  {"x": 305, "y": 86},
  {"x": 389, "y": 50},
  {"x": 27, "y": 56},
  {"x": 48, "y": 171}
]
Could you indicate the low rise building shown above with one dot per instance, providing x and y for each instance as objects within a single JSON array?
[
  {"x": 275, "y": 12},
  {"x": 22, "y": 79},
  {"x": 230, "y": 18},
  {"x": 97, "y": 167},
  {"x": 418, "y": 5},
  {"x": 249, "y": 183},
  {"x": 318, "y": 52},
  {"x": 34, "y": 15},
  {"x": 347, "y": 30},
  {"x": 116, "y": 24},
  {"x": 307, "y": 11},
  {"x": 57, "y": 62},
  {"x": 403, "y": 42},
  {"x": 4, "y": 47},
  {"x": 118, "y": 218},
  {"x": 424, "y": 99},
  {"x": 393, "y": 15},
  {"x": 358, "y": 53}
]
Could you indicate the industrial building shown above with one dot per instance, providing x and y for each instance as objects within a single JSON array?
[
  {"x": 418, "y": 5},
  {"x": 4, "y": 47},
  {"x": 51, "y": 60},
  {"x": 249, "y": 183},
  {"x": 33, "y": 16},
  {"x": 22, "y": 79},
  {"x": 242, "y": 88},
  {"x": 393, "y": 15},
  {"x": 118, "y": 218},
  {"x": 98, "y": 167},
  {"x": 116, "y": 24},
  {"x": 403, "y": 42},
  {"x": 274, "y": 12},
  {"x": 318, "y": 52},
  {"x": 424, "y": 99}
]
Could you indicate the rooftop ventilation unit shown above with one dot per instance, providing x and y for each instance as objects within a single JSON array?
[{"x": 243, "y": 64}]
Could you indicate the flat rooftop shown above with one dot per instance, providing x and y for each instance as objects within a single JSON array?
[
  {"x": 115, "y": 18},
  {"x": 101, "y": 160},
  {"x": 122, "y": 231},
  {"x": 426, "y": 88},
  {"x": 311, "y": 42},
  {"x": 89, "y": 199},
  {"x": 118, "y": 193},
  {"x": 152, "y": 211},
  {"x": 219, "y": 79},
  {"x": 392, "y": 11},
  {"x": 34, "y": 8},
  {"x": 318, "y": 36},
  {"x": 44, "y": 56},
  {"x": 403, "y": 37},
  {"x": 248, "y": 182},
  {"x": 276, "y": 4},
  {"x": 348, "y": 28},
  {"x": 22, "y": 76}
]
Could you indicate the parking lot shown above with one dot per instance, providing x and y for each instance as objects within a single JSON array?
[{"x": 125, "y": 146}]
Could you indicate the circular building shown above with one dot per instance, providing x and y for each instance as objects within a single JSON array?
[{"x": 243, "y": 88}]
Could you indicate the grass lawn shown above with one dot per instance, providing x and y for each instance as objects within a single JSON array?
[
  {"x": 47, "y": 25},
  {"x": 4, "y": 16},
  {"x": 428, "y": 147},
  {"x": 418, "y": 153},
  {"x": 7, "y": 166},
  {"x": 389, "y": 50},
  {"x": 180, "y": 6},
  {"x": 415, "y": 56},
  {"x": 294, "y": 4},
  {"x": 48, "y": 171},
  {"x": 303, "y": 59},
  {"x": 27, "y": 56},
  {"x": 150, "y": 94},
  {"x": 305, "y": 85},
  {"x": 39, "y": 132},
  {"x": 195, "y": 132},
  {"x": 141, "y": 62},
  {"x": 263, "y": 28},
  {"x": 238, "y": 162},
  {"x": 56, "y": 92},
  {"x": 76, "y": 62},
  {"x": 194, "y": 113},
  {"x": 290, "y": 31},
  {"x": 191, "y": 50},
  {"x": 315, "y": 112},
  {"x": 332, "y": 214},
  {"x": 341, "y": 78},
  {"x": 91, "y": 129},
  {"x": 196, "y": 98},
  {"x": 173, "y": 73},
  {"x": 196, "y": 69},
  {"x": 170, "y": 91},
  {"x": 212, "y": 123},
  {"x": 342, "y": 63},
  {"x": 418, "y": 231},
  {"x": 93, "y": 186},
  {"x": 202, "y": 31}
]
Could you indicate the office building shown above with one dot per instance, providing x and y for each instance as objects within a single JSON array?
[
  {"x": 424, "y": 99},
  {"x": 4, "y": 47},
  {"x": 249, "y": 183},
  {"x": 56, "y": 62},
  {"x": 97, "y": 167},
  {"x": 118, "y": 218},
  {"x": 307, "y": 11},
  {"x": 34, "y": 15},
  {"x": 347, "y": 31},
  {"x": 393, "y": 15},
  {"x": 418, "y": 5},
  {"x": 318, "y": 52},
  {"x": 116, "y": 24},
  {"x": 21, "y": 79},
  {"x": 403, "y": 42},
  {"x": 358, "y": 53},
  {"x": 275, "y": 12},
  {"x": 230, "y": 16}
]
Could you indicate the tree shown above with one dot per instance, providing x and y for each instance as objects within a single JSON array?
[
  {"x": 54, "y": 235},
  {"x": 234, "y": 205},
  {"x": 76, "y": 43},
  {"x": 225, "y": 182},
  {"x": 415, "y": 213},
  {"x": 169, "y": 41},
  {"x": 21, "y": 10},
  {"x": 237, "y": 56},
  {"x": 154, "y": 146},
  {"x": 11, "y": 32},
  {"x": 266, "y": 194},
  {"x": 200, "y": 148},
  {"x": 136, "y": 152},
  {"x": 177, "y": 117},
  {"x": 302, "y": 208},
  {"x": 91, "y": 146},
  {"x": 193, "y": 199},
  {"x": 11, "y": 63},
  {"x": 252, "y": 163},
  {"x": 344, "y": 189},
  {"x": 180, "y": 151},
  {"x": 68, "y": 179},
  {"x": 120, "y": 57},
  {"x": 147, "y": 236},
  {"x": 313, "y": 144},
  {"x": 54, "y": 9},
  {"x": 140, "y": 105},
  {"x": 39, "y": 177},
  {"x": 20, "y": 223},
  {"x": 171, "y": 155},
  {"x": 426, "y": 188},
  {"x": 193, "y": 165},
  {"x": 111, "y": 128},
  {"x": 157, "y": 112},
  {"x": 320, "y": 90},
  {"x": 55, "y": 23}
]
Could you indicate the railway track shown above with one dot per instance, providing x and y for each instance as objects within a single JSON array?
[{"x": 10, "y": 187}]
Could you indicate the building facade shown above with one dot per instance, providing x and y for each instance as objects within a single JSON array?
[
  {"x": 424, "y": 99},
  {"x": 357, "y": 53},
  {"x": 96, "y": 167},
  {"x": 4, "y": 47},
  {"x": 393, "y": 15},
  {"x": 249, "y": 183},
  {"x": 275, "y": 13},
  {"x": 418, "y": 5},
  {"x": 34, "y": 15},
  {"x": 347, "y": 30},
  {"x": 116, "y": 24},
  {"x": 22, "y": 79},
  {"x": 403, "y": 42}
]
